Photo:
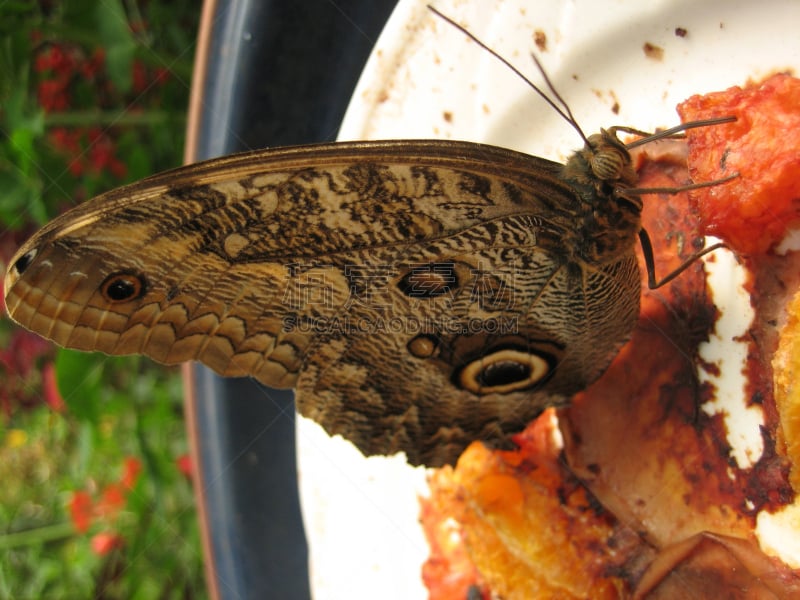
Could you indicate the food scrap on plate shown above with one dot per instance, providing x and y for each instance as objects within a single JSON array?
[{"x": 637, "y": 489}]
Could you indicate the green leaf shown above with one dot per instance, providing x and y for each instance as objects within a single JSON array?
[
  {"x": 21, "y": 198},
  {"x": 79, "y": 376},
  {"x": 26, "y": 131},
  {"x": 118, "y": 41},
  {"x": 138, "y": 157},
  {"x": 15, "y": 53}
]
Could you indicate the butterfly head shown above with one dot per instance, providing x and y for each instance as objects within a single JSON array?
[{"x": 609, "y": 159}]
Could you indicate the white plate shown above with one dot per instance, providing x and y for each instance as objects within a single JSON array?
[{"x": 426, "y": 80}]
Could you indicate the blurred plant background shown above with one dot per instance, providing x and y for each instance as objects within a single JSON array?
[{"x": 96, "y": 498}]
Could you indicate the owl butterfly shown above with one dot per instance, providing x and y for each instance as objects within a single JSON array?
[{"x": 419, "y": 295}]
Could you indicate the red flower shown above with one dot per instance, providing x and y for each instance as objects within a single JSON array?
[
  {"x": 76, "y": 167},
  {"x": 185, "y": 465},
  {"x": 53, "y": 95},
  {"x": 50, "y": 387},
  {"x": 91, "y": 67},
  {"x": 133, "y": 466},
  {"x": 23, "y": 352},
  {"x": 66, "y": 140},
  {"x": 80, "y": 509},
  {"x": 140, "y": 79},
  {"x": 84, "y": 509},
  {"x": 118, "y": 168},
  {"x": 106, "y": 541},
  {"x": 62, "y": 61},
  {"x": 102, "y": 156},
  {"x": 42, "y": 62},
  {"x": 161, "y": 75},
  {"x": 111, "y": 502},
  {"x": 94, "y": 135},
  {"x": 99, "y": 156}
]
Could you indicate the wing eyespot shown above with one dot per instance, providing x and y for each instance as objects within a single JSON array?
[
  {"x": 123, "y": 287},
  {"x": 504, "y": 371}
]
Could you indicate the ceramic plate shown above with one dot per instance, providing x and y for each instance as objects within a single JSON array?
[{"x": 426, "y": 80}]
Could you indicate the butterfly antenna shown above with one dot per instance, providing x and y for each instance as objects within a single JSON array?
[{"x": 562, "y": 110}]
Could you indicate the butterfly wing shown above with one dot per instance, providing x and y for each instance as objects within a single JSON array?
[{"x": 419, "y": 295}]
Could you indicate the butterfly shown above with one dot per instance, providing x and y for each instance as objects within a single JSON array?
[{"x": 418, "y": 295}]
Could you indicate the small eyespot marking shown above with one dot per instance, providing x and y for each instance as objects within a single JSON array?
[
  {"x": 24, "y": 261},
  {"x": 123, "y": 287}
]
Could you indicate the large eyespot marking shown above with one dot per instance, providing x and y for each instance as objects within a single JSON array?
[
  {"x": 504, "y": 371},
  {"x": 122, "y": 287},
  {"x": 429, "y": 281},
  {"x": 24, "y": 261}
]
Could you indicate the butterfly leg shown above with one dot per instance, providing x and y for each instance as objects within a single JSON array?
[{"x": 649, "y": 261}]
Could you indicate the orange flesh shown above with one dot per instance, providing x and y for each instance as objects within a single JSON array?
[{"x": 753, "y": 212}]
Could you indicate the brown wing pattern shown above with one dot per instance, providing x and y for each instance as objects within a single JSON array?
[{"x": 418, "y": 294}]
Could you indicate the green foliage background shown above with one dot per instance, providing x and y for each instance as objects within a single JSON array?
[{"x": 93, "y": 94}]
